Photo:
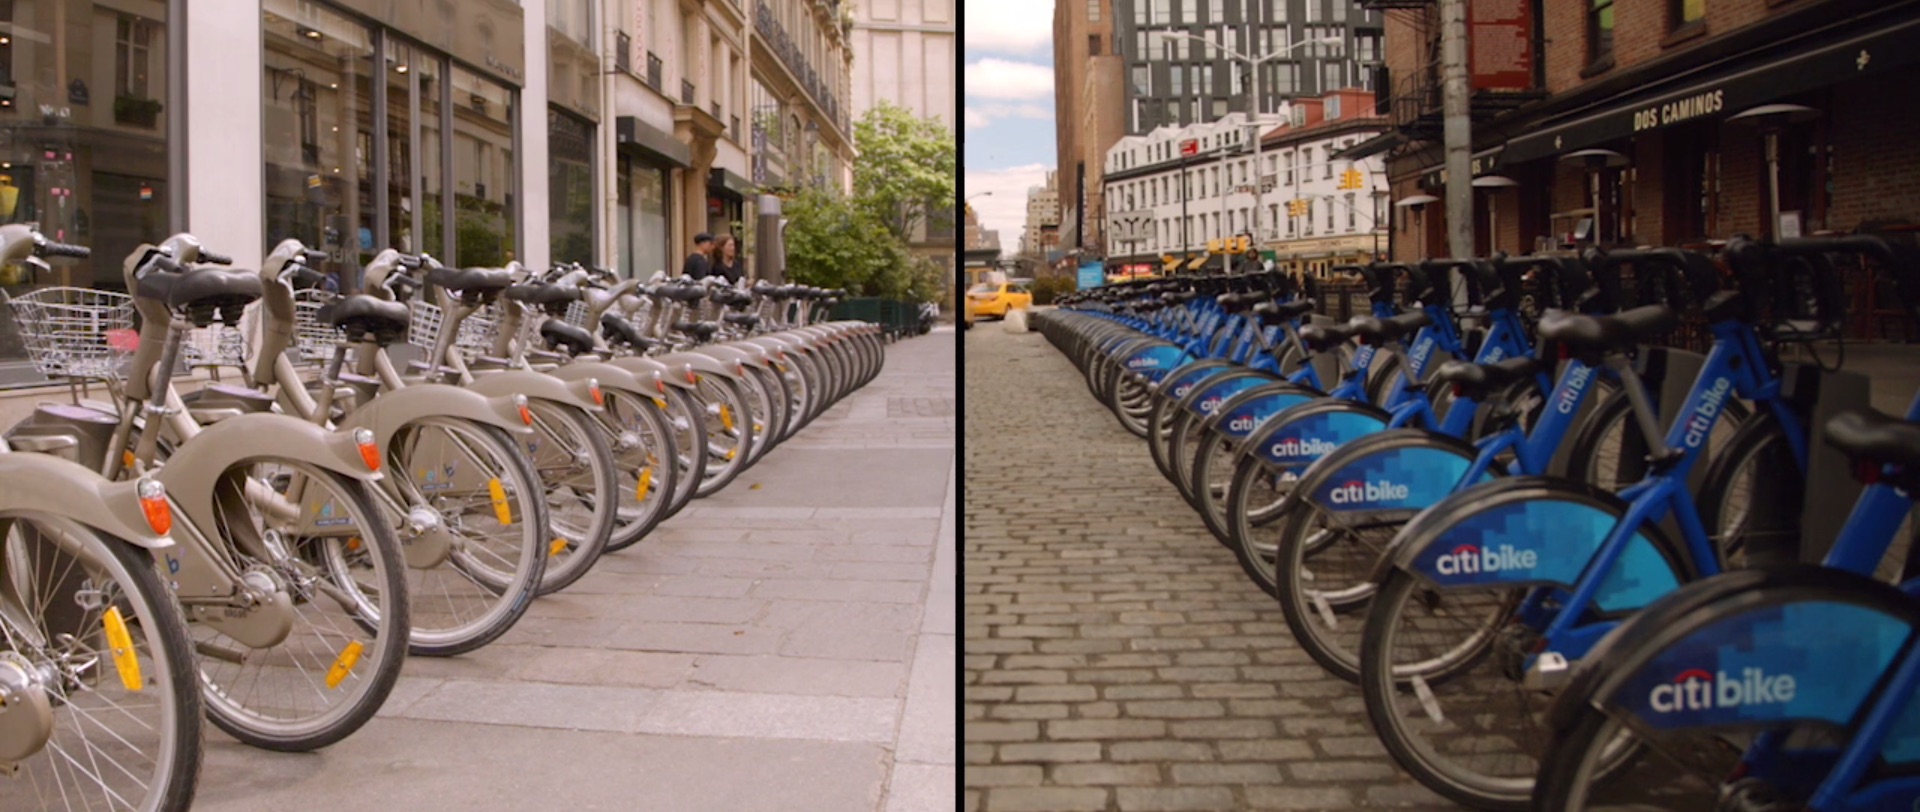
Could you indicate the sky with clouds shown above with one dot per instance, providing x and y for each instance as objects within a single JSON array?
[{"x": 1008, "y": 108}]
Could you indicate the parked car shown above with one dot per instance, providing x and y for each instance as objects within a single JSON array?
[{"x": 998, "y": 299}]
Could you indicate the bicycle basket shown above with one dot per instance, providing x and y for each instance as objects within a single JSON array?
[
  {"x": 76, "y": 332},
  {"x": 216, "y": 345},
  {"x": 576, "y": 314},
  {"x": 313, "y": 339},
  {"x": 476, "y": 331}
]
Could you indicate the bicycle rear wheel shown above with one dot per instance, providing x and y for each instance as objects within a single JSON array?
[
  {"x": 123, "y": 725},
  {"x": 646, "y": 465},
  {"x": 575, "y": 469}
]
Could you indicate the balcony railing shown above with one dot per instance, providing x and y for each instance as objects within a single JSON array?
[
  {"x": 714, "y": 108},
  {"x": 686, "y": 92},
  {"x": 768, "y": 27},
  {"x": 733, "y": 127},
  {"x": 653, "y": 70},
  {"x": 623, "y": 52}
]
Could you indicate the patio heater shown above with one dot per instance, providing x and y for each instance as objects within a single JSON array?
[
  {"x": 1597, "y": 161},
  {"x": 1773, "y": 119},
  {"x": 1493, "y": 182}
]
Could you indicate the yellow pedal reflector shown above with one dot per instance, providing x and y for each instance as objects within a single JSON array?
[
  {"x": 124, "y": 658},
  {"x": 499, "y": 493},
  {"x": 732, "y": 452},
  {"x": 343, "y": 665},
  {"x": 557, "y": 547},
  {"x": 726, "y": 417},
  {"x": 660, "y": 402},
  {"x": 645, "y": 485}
]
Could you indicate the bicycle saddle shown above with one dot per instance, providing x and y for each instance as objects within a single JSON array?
[
  {"x": 361, "y": 315},
  {"x": 203, "y": 288},
  {"x": 783, "y": 293},
  {"x": 698, "y": 330},
  {"x": 1376, "y": 330},
  {"x": 1475, "y": 380},
  {"x": 541, "y": 295},
  {"x": 1865, "y": 435},
  {"x": 566, "y": 337},
  {"x": 764, "y": 288},
  {"x": 470, "y": 280},
  {"x": 620, "y": 331},
  {"x": 683, "y": 293},
  {"x": 1602, "y": 333},
  {"x": 747, "y": 320},
  {"x": 1271, "y": 313},
  {"x": 1324, "y": 337}
]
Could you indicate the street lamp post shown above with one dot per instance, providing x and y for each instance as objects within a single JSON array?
[{"x": 1254, "y": 112}]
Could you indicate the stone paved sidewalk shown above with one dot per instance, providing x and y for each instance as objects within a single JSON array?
[
  {"x": 787, "y": 644},
  {"x": 1116, "y": 658}
]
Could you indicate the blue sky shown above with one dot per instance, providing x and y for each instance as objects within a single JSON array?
[{"x": 1008, "y": 46}]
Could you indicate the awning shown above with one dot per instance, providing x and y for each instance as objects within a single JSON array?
[
  {"x": 724, "y": 180},
  {"x": 1169, "y": 263},
  {"x": 1370, "y": 147},
  {"x": 1729, "y": 91},
  {"x": 1197, "y": 262},
  {"x": 632, "y": 134},
  {"x": 1481, "y": 163}
]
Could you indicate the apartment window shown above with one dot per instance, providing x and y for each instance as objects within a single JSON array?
[
  {"x": 1093, "y": 45},
  {"x": 1215, "y": 14},
  {"x": 1140, "y": 12},
  {"x": 1687, "y": 12},
  {"x": 132, "y": 54},
  {"x": 1599, "y": 30},
  {"x": 1161, "y": 11},
  {"x": 1328, "y": 165},
  {"x": 1330, "y": 216},
  {"x": 1141, "y": 80},
  {"x": 1350, "y": 212},
  {"x": 1093, "y": 11},
  {"x": 1309, "y": 225}
]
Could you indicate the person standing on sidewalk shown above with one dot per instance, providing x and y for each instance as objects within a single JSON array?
[
  {"x": 700, "y": 262},
  {"x": 726, "y": 258}
]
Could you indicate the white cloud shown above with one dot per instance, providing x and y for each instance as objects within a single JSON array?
[
  {"x": 1006, "y": 79},
  {"x": 1006, "y": 209},
  {"x": 977, "y": 120},
  {"x": 1008, "y": 26}
]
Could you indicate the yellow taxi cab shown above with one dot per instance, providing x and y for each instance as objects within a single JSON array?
[{"x": 997, "y": 299}]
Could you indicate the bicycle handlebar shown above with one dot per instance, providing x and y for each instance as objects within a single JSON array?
[
  {"x": 60, "y": 249},
  {"x": 215, "y": 259}
]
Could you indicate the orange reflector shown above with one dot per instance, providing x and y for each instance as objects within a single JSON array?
[
  {"x": 499, "y": 494},
  {"x": 692, "y": 378},
  {"x": 353, "y": 544},
  {"x": 153, "y": 504},
  {"x": 726, "y": 417},
  {"x": 126, "y": 459},
  {"x": 593, "y": 388},
  {"x": 557, "y": 547},
  {"x": 121, "y": 644},
  {"x": 526, "y": 414},
  {"x": 343, "y": 665},
  {"x": 660, "y": 384},
  {"x": 645, "y": 485},
  {"x": 370, "y": 454}
]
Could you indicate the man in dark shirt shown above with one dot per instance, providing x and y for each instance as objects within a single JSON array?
[{"x": 698, "y": 263}]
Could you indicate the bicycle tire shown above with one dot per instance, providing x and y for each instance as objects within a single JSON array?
[
  {"x": 644, "y": 447},
  {"x": 588, "y": 473}
]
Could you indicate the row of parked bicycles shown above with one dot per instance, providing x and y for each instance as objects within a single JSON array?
[
  {"x": 1563, "y": 567},
  {"x": 268, "y": 552}
]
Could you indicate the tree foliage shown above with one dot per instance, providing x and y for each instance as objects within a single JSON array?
[
  {"x": 860, "y": 242},
  {"x": 906, "y": 163}
]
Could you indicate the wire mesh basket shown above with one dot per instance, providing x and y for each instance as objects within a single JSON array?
[
  {"x": 313, "y": 339},
  {"x": 76, "y": 332},
  {"x": 576, "y": 314},
  {"x": 215, "y": 345},
  {"x": 476, "y": 331}
]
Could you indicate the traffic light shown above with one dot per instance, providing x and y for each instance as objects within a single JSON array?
[
  {"x": 1297, "y": 208},
  {"x": 1213, "y": 246},
  {"x": 1353, "y": 179},
  {"x": 1243, "y": 244}
]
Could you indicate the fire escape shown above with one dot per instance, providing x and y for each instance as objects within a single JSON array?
[{"x": 1413, "y": 102}]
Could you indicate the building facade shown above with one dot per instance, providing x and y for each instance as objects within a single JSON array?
[
  {"x": 1041, "y": 234},
  {"x": 903, "y": 53},
  {"x": 1673, "y": 92},
  {"x": 1089, "y": 116},
  {"x": 1175, "y": 82},
  {"x": 1177, "y": 210},
  {"x": 484, "y": 131}
]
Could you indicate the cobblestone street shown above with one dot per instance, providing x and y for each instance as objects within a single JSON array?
[{"x": 1115, "y": 656}]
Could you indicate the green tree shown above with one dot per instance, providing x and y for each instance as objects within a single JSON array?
[
  {"x": 906, "y": 165},
  {"x": 833, "y": 243}
]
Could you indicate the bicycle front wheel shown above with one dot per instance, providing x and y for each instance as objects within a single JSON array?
[
  {"x": 121, "y": 725},
  {"x": 318, "y": 546},
  {"x": 576, "y": 471}
]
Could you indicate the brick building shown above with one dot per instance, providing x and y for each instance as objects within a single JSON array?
[
  {"x": 1678, "y": 94},
  {"x": 1088, "y": 114}
]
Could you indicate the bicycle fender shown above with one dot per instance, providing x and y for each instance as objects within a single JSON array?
[
  {"x": 703, "y": 364},
  {"x": 1296, "y": 437},
  {"x": 1206, "y": 398},
  {"x": 607, "y": 375},
  {"x": 1177, "y": 384},
  {"x": 534, "y": 385},
  {"x": 1758, "y": 647},
  {"x": 1385, "y": 476},
  {"x": 1534, "y": 531},
  {"x": 394, "y": 410},
  {"x": 651, "y": 372},
  {"x": 193, "y": 470},
  {"x": 1243, "y": 413},
  {"x": 48, "y": 485},
  {"x": 734, "y": 355}
]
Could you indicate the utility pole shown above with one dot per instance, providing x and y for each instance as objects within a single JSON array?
[
  {"x": 1226, "y": 182},
  {"x": 1458, "y": 131}
]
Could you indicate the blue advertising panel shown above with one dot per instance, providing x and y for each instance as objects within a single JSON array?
[{"x": 1092, "y": 275}]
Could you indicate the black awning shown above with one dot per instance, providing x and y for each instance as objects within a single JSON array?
[
  {"x": 1829, "y": 61},
  {"x": 1480, "y": 163},
  {"x": 631, "y": 133},
  {"x": 1370, "y": 147}
]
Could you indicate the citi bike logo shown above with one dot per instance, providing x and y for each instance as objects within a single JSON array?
[
  {"x": 1694, "y": 689},
  {"x": 1421, "y": 351},
  {"x": 1576, "y": 383},
  {"x": 1207, "y": 406},
  {"x": 1710, "y": 403},
  {"x": 1356, "y": 492},
  {"x": 1242, "y": 424},
  {"x": 1469, "y": 559},
  {"x": 1303, "y": 447},
  {"x": 1142, "y": 362}
]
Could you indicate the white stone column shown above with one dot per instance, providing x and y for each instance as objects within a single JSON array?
[
  {"x": 226, "y": 198},
  {"x": 532, "y": 160}
]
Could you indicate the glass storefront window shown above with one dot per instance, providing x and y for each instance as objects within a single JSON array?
[
  {"x": 83, "y": 139},
  {"x": 483, "y": 167},
  {"x": 429, "y": 224},
  {"x": 570, "y": 187},
  {"x": 643, "y": 218},
  {"x": 318, "y": 117}
]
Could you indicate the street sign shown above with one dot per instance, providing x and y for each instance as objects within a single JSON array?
[
  {"x": 1190, "y": 146},
  {"x": 1091, "y": 275}
]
